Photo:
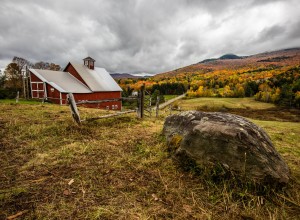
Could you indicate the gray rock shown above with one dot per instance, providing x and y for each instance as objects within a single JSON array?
[{"x": 240, "y": 146}]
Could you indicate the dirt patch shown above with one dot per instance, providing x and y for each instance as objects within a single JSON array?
[
  {"x": 270, "y": 114},
  {"x": 273, "y": 114}
]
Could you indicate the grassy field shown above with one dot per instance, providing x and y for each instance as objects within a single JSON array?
[
  {"x": 119, "y": 168},
  {"x": 246, "y": 107},
  {"x": 21, "y": 101},
  {"x": 217, "y": 103},
  {"x": 169, "y": 97}
]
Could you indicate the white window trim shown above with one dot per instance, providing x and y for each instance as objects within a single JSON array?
[{"x": 37, "y": 90}]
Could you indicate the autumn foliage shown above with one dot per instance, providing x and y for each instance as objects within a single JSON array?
[{"x": 270, "y": 77}]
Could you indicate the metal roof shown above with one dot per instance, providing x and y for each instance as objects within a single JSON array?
[
  {"x": 98, "y": 80},
  {"x": 62, "y": 81}
]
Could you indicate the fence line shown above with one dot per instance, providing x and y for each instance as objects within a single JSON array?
[
  {"x": 110, "y": 115},
  {"x": 141, "y": 107},
  {"x": 171, "y": 101},
  {"x": 75, "y": 113},
  {"x": 80, "y": 102},
  {"x": 97, "y": 101}
]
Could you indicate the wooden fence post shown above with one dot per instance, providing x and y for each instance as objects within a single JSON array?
[
  {"x": 157, "y": 104},
  {"x": 24, "y": 86},
  {"x": 141, "y": 100},
  {"x": 150, "y": 104},
  {"x": 17, "y": 98},
  {"x": 73, "y": 107},
  {"x": 138, "y": 104}
]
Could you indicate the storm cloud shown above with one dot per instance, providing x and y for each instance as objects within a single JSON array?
[{"x": 141, "y": 35}]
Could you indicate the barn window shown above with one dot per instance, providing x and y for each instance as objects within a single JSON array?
[
  {"x": 116, "y": 106},
  {"x": 107, "y": 107},
  {"x": 52, "y": 89},
  {"x": 113, "y": 107}
]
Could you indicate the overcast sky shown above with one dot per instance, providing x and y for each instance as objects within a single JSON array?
[{"x": 149, "y": 36}]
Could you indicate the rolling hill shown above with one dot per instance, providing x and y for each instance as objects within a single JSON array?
[
  {"x": 269, "y": 77},
  {"x": 231, "y": 62}
]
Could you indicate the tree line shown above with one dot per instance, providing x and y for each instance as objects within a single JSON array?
[
  {"x": 282, "y": 89},
  {"x": 16, "y": 79}
]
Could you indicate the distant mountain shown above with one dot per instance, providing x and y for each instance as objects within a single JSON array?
[
  {"x": 224, "y": 57},
  {"x": 124, "y": 76},
  {"x": 231, "y": 62},
  {"x": 130, "y": 76},
  {"x": 229, "y": 57}
]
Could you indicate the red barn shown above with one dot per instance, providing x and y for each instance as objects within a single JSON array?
[{"x": 85, "y": 81}]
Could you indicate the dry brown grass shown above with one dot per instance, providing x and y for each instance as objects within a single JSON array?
[{"x": 119, "y": 168}]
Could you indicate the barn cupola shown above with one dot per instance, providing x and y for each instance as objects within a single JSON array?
[{"x": 89, "y": 62}]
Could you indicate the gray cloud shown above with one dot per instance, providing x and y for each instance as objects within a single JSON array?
[
  {"x": 270, "y": 33},
  {"x": 259, "y": 2},
  {"x": 295, "y": 31},
  {"x": 140, "y": 35}
]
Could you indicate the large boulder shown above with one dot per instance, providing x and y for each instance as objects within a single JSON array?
[{"x": 238, "y": 145}]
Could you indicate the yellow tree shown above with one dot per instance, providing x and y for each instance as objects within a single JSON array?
[
  {"x": 227, "y": 92},
  {"x": 13, "y": 77}
]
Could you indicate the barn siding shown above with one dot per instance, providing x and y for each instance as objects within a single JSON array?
[
  {"x": 54, "y": 96},
  {"x": 34, "y": 78},
  {"x": 98, "y": 96}
]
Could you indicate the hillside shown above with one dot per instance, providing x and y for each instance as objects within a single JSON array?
[
  {"x": 269, "y": 77},
  {"x": 268, "y": 60}
]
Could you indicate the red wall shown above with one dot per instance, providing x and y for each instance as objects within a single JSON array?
[
  {"x": 34, "y": 78},
  {"x": 54, "y": 96},
  {"x": 98, "y": 96}
]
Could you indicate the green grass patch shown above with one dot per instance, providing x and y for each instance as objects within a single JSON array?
[
  {"x": 21, "y": 101},
  {"x": 286, "y": 138},
  {"x": 169, "y": 97}
]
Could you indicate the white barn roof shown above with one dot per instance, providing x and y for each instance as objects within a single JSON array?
[
  {"x": 62, "y": 81},
  {"x": 98, "y": 80}
]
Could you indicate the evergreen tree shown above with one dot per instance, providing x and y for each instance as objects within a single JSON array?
[{"x": 286, "y": 95}]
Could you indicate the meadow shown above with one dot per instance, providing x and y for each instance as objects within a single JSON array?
[{"x": 120, "y": 168}]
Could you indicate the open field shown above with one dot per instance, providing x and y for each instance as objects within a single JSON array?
[
  {"x": 21, "y": 101},
  {"x": 169, "y": 97},
  {"x": 246, "y": 107},
  {"x": 119, "y": 168},
  {"x": 217, "y": 103}
]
